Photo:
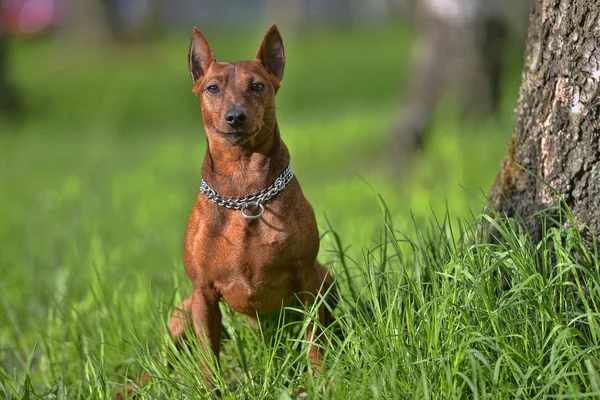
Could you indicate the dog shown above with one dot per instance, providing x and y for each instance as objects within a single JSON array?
[{"x": 252, "y": 237}]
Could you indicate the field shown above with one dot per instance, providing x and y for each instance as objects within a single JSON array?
[{"x": 98, "y": 179}]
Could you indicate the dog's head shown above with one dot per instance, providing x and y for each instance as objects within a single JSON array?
[{"x": 237, "y": 99}]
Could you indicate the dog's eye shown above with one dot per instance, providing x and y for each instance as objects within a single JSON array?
[
  {"x": 213, "y": 89},
  {"x": 257, "y": 87}
]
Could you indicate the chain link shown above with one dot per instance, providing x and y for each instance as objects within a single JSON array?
[{"x": 258, "y": 198}]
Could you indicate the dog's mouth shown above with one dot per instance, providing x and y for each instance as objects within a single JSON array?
[
  {"x": 237, "y": 137},
  {"x": 236, "y": 133}
]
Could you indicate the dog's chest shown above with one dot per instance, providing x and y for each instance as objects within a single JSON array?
[
  {"x": 253, "y": 295},
  {"x": 254, "y": 264},
  {"x": 258, "y": 274}
]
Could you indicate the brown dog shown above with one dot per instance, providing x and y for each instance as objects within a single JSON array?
[{"x": 252, "y": 237}]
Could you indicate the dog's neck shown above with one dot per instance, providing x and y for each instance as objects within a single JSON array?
[{"x": 242, "y": 170}]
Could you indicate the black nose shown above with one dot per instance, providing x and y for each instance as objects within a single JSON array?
[{"x": 236, "y": 117}]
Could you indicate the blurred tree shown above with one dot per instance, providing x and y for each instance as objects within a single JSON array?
[
  {"x": 290, "y": 15},
  {"x": 464, "y": 43},
  {"x": 133, "y": 19},
  {"x": 557, "y": 131},
  {"x": 9, "y": 101},
  {"x": 121, "y": 20},
  {"x": 87, "y": 21}
]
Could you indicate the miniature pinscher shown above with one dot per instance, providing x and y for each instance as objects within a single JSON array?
[{"x": 252, "y": 237}]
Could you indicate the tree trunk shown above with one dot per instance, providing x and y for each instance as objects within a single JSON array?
[
  {"x": 460, "y": 47},
  {"x": 557, "y": 131}
]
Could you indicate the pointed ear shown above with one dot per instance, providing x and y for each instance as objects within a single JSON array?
[
  {"x": 271, "y": 53},
  {"x": 201, "y": 55}
]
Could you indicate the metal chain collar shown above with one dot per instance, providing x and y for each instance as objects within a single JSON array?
[{"x": 257, "y": 199}]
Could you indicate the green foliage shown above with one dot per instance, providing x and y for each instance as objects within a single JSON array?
[{"x": 98, "y": 181}]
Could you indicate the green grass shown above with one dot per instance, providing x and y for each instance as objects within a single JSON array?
[{"x": 96, "y": 188}]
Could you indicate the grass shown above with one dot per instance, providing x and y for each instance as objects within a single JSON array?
[{"x": 98, "y": 181}]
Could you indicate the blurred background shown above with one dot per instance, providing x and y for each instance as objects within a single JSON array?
[{"x": 101, "y": 138}]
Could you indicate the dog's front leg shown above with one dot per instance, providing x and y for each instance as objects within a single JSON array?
[
  {"x": 313, "y": 281},
  {"x": 180, "y": 321},
  {"x": 206, "y": 316}
]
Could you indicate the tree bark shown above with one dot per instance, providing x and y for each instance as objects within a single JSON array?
[{"x": 557, "y": 131}]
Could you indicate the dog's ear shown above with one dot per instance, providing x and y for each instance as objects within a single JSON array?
[
  {"x": 271, "y": 53},
  {"x": 201, "y": 55}
]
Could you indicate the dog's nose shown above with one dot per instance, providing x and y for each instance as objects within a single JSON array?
[{"x": 236, "y": 117}]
